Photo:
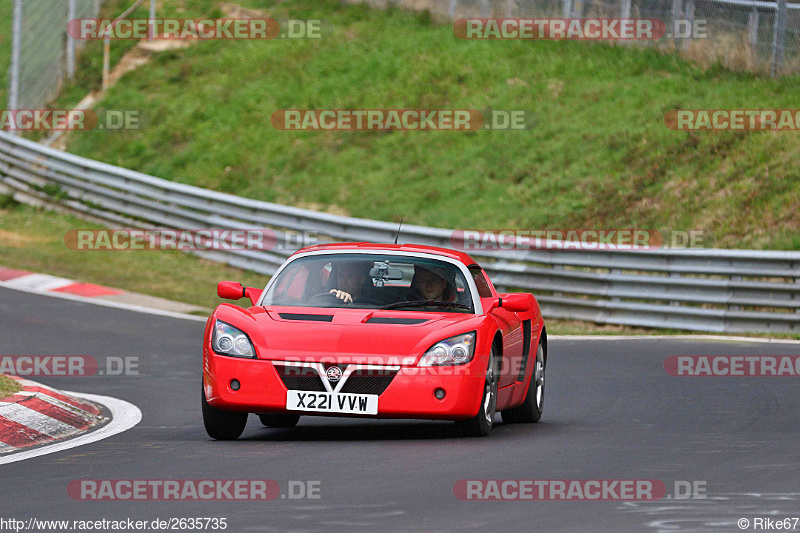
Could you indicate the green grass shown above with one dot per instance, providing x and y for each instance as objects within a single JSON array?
[
  {"x": 8, "y": 387},
  {"x": 6, "y": 9},
  {"x": 33, "y": 239},
  {"x": 599, "y": 156}
]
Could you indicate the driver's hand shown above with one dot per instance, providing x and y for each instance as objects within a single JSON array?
[{"x": 344, "y": 296}]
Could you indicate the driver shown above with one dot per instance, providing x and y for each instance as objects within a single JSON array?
[{"x": 348, "y": 280}]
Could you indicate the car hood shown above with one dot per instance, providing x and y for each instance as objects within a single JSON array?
[{"x": 366, "y": 336}]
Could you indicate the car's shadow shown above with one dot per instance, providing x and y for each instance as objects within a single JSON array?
[{"x": 318, "y": 429}]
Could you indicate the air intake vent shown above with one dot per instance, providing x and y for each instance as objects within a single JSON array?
[
  {"x": 305, "y": 316},
  {"x": 392, "y": 320},
  {"x": 526, "y": 348},
  {"x": 300, "y": 378}
]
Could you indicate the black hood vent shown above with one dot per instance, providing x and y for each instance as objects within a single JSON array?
[
  {"x": 396, "y": 320},
  {"x": 306, "y": 316}
]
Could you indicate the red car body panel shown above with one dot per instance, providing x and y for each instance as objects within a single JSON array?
[{"x": 349, "y": 339}]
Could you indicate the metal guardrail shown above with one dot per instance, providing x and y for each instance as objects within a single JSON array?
[{"x": 691, "y": 289}]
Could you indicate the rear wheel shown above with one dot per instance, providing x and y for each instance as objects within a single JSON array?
[
  {"x": 279, "y": 420},
  {"x": 222, "y": 425},
  {"x": 481, "y": 424},
  {"x": 533, "y": 405}
]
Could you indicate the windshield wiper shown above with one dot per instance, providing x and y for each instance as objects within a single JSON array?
[{"x": 425, "y": 303}]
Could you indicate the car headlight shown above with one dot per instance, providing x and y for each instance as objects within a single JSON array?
[
  {"x": 227, "y": 340},
  {"x": 453, "y": 351}
]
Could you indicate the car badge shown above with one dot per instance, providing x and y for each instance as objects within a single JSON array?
[{"x": 334, "y": 374}]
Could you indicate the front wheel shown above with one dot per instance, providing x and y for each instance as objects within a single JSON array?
[
  {"x": 222, "y": 425},
  {"x": 533, "y": 405},
  {"x": 481, "y": 424}
]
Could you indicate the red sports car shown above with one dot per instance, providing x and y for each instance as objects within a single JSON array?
[{"x": 374, "y": 330}]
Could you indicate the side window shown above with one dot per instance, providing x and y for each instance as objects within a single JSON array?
[{"x": 484, "y": 291}]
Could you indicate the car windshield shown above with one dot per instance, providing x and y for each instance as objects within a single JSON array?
[{"x": 371, "y": 281}]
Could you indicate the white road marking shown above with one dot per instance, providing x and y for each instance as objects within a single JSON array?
[
  {"x": 104, "y": 303},
  {"x": 43, "y": 282},
  {"x": 124, "y": 416}
]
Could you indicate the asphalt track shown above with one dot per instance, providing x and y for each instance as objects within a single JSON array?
[{"x": 611, "y": 412}]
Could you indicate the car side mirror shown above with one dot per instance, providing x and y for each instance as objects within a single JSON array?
[
  {"x": 494, "y": 303},
  {"x": 230, "y": 290},
  {"x": 254, "y": 294},
  {"x": 517, "y": 303}
]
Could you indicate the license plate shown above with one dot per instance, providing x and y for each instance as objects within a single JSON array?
[{"x": 327, "y": 402}]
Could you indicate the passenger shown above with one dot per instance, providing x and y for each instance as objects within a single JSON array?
[{"x": 432, "y": 283}]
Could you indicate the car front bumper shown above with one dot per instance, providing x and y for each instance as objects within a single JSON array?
[{"x": 410, "y": 394}]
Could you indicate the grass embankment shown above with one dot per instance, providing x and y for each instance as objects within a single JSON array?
[
  {"x": 6, "y": 9},
  {"x": 8, "y": 387},
  {"x": 600, "y": 154}
]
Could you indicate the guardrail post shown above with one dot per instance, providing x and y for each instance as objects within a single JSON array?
[
  {"x": 735, "y": 307},
  {"x": 615, "y": 271},
  {"x": 778, "y": 38},
  {"x": 796, "y": 282},
  {"x": 674, "y": 303},
  {"x": 558, "y": 267}
]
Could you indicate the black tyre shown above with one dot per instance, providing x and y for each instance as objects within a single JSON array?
[
  {"x": 222, "y": 425},
  {"x": 279, "y": 420},
  {"x": 481, "y": 424},
  {"x": 533, "y": 405}
]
